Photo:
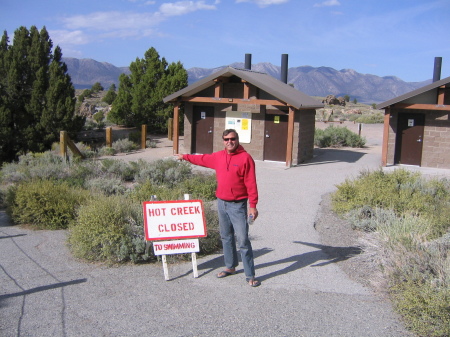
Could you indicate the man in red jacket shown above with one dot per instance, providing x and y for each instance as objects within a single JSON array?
[{"x": 236, "y": 185}]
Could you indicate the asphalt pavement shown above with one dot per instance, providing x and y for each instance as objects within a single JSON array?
[{"x": 44, "y": 291}]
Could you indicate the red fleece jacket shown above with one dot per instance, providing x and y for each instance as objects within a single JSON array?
[{"x": 235, "y": 174}]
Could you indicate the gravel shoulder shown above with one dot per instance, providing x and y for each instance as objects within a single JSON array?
[{"x": 356, "y": 252}]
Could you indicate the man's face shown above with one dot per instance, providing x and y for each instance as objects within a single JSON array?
[{"x": 231, "y": 142}]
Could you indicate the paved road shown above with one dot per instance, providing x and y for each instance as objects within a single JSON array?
[{"x": 45, "y": 292}]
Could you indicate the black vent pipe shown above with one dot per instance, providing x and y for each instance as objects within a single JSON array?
[
  {"x": 437, "y": 69},
  {"x": 284, "y": 68},
  {"x": 248, "y": 61}
]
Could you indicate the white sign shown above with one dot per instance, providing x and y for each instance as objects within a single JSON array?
[
  {"x": 410, "y": 122},
  {"x": 242, "y": 123},
  {"x": 176, "y": 247},
  {"x": 180, "y": 219}
]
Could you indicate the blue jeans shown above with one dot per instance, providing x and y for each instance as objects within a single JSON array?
[{"x": 233, "y": 220}]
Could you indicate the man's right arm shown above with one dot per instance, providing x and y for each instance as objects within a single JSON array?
[{"x": 205, "y": 160}]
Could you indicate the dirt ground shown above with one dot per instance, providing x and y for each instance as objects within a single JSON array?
[{"x": 358, "y": 251}]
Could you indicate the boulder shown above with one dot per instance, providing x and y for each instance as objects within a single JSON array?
[{"x": 332, "y": 100}]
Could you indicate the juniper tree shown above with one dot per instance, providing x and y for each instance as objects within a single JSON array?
[
  {"x": 110, "y": 95},
  {"x": 37, "y": 98},
  {"x": 140, "y": 95}
]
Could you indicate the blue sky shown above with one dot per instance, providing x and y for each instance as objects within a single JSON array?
[{"x": 381, "y": 37}]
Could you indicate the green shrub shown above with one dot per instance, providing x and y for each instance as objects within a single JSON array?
[
  {"x": 124, "y": 146},
  {"x": 212, "y": 243},
  {"x": 424, "y": 307},
  {"x": 135, "y": 137},
  {"x": 109, "y": 229},
  {"x": 107, "y": 185},
  {"x": 47, "y": 165},
  {"x": 401, "y": 191},
  {"x": 45, "y": 204},
  {"x": 147, "y": 189},
  {"x": 370, "y": 219},
  {"x": 119, "y": 168},
  {"x": 411, "y": 218},
  {"x": 150, "y": 144},
  {"x": 372, "y": 118},
  {"x": 167, "y": 172},
  {"x": 337, "y": 137},
  {"x": 106, "y": 151},
  {"x": 200, "y": 186}
]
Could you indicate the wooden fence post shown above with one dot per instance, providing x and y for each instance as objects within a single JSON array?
[
  {"x": 63, "y": 144},
  {"x": 109, "y": 136},
  {"x": 143, "y": 136},
  {"x": 170, "y": 129}
]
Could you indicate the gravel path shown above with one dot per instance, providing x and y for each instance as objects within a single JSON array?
[{"x": 44, "y": 291}]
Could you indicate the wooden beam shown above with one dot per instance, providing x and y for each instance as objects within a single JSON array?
[
  {"x": 290, "y": 137},
  {"x": 218, "y": 89},
  {"x": 384, "y": 147},
  {"x": 246, "y": 90},
  {"x": 143, "y": 136},
  {"x": 423, "y": 107},
  {"x": 232, "y": 100},
  {"x": 441, "y": 95},
  {"x": 176, "y": 132}
]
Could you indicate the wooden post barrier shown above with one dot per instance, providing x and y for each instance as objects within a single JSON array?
[
  {"x": 109, "y": 136},
  {"x": 144, "y": 136},
  {"x": 64, "y": 142}
]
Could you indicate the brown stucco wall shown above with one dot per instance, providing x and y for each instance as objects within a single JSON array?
[
  {"x": 303, "y": 131},
  {"x": 304, "y": 134},
  {"x": 436, "y": 138}
]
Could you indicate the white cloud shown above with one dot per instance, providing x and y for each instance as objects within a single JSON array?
[
  {"x": 132, "y": 24},
  {"x": 328, "y": 3},
  {"x": 66, "y": 37},
  {"x": 264, "y": 3},
  {"x": 111, "y": 21},
  {"x": 184, "y": 7}
]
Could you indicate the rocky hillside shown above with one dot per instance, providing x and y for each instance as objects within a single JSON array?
[
  {"x": 320, "y": 81},
  {"x": 86, "y": 72}
]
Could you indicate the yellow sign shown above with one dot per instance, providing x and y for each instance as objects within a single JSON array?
[
  {"x": 244, "y": 124},
  {"x": 276, "y": 119}
]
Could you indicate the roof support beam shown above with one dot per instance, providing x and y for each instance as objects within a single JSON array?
[
  {"x": 176, "y": 127},
  {"x": 232, "y": 100},
  {"x": 423, "y": 107},
  {"x": 218, "y": 89},
  {"x": 246, "y": 90},
  {"x": 384, "y": 147},
  {"x": 441, "y": 95},
  {"x": 290, "y": 137}
]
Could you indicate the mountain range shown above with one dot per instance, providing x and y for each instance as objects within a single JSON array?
[{"x": 319, "y": 81}]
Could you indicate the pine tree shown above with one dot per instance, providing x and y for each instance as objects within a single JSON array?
[
  {"x": 110, "y": 95},
  {"x": 37, "y": 98},
  {"x": 140, "y": 96}
]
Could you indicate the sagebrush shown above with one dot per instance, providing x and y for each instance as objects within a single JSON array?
[{"x": 410, "y": 215}]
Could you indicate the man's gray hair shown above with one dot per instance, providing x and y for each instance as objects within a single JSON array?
[{"x": 228, "y": 131}]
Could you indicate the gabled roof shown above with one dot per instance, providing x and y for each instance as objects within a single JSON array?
[
  {"x": 398, "y": 99},
  {"x": 272, "y": 86}
]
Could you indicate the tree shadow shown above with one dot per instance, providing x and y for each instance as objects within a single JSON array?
[{"x": 323, "y": 256}]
